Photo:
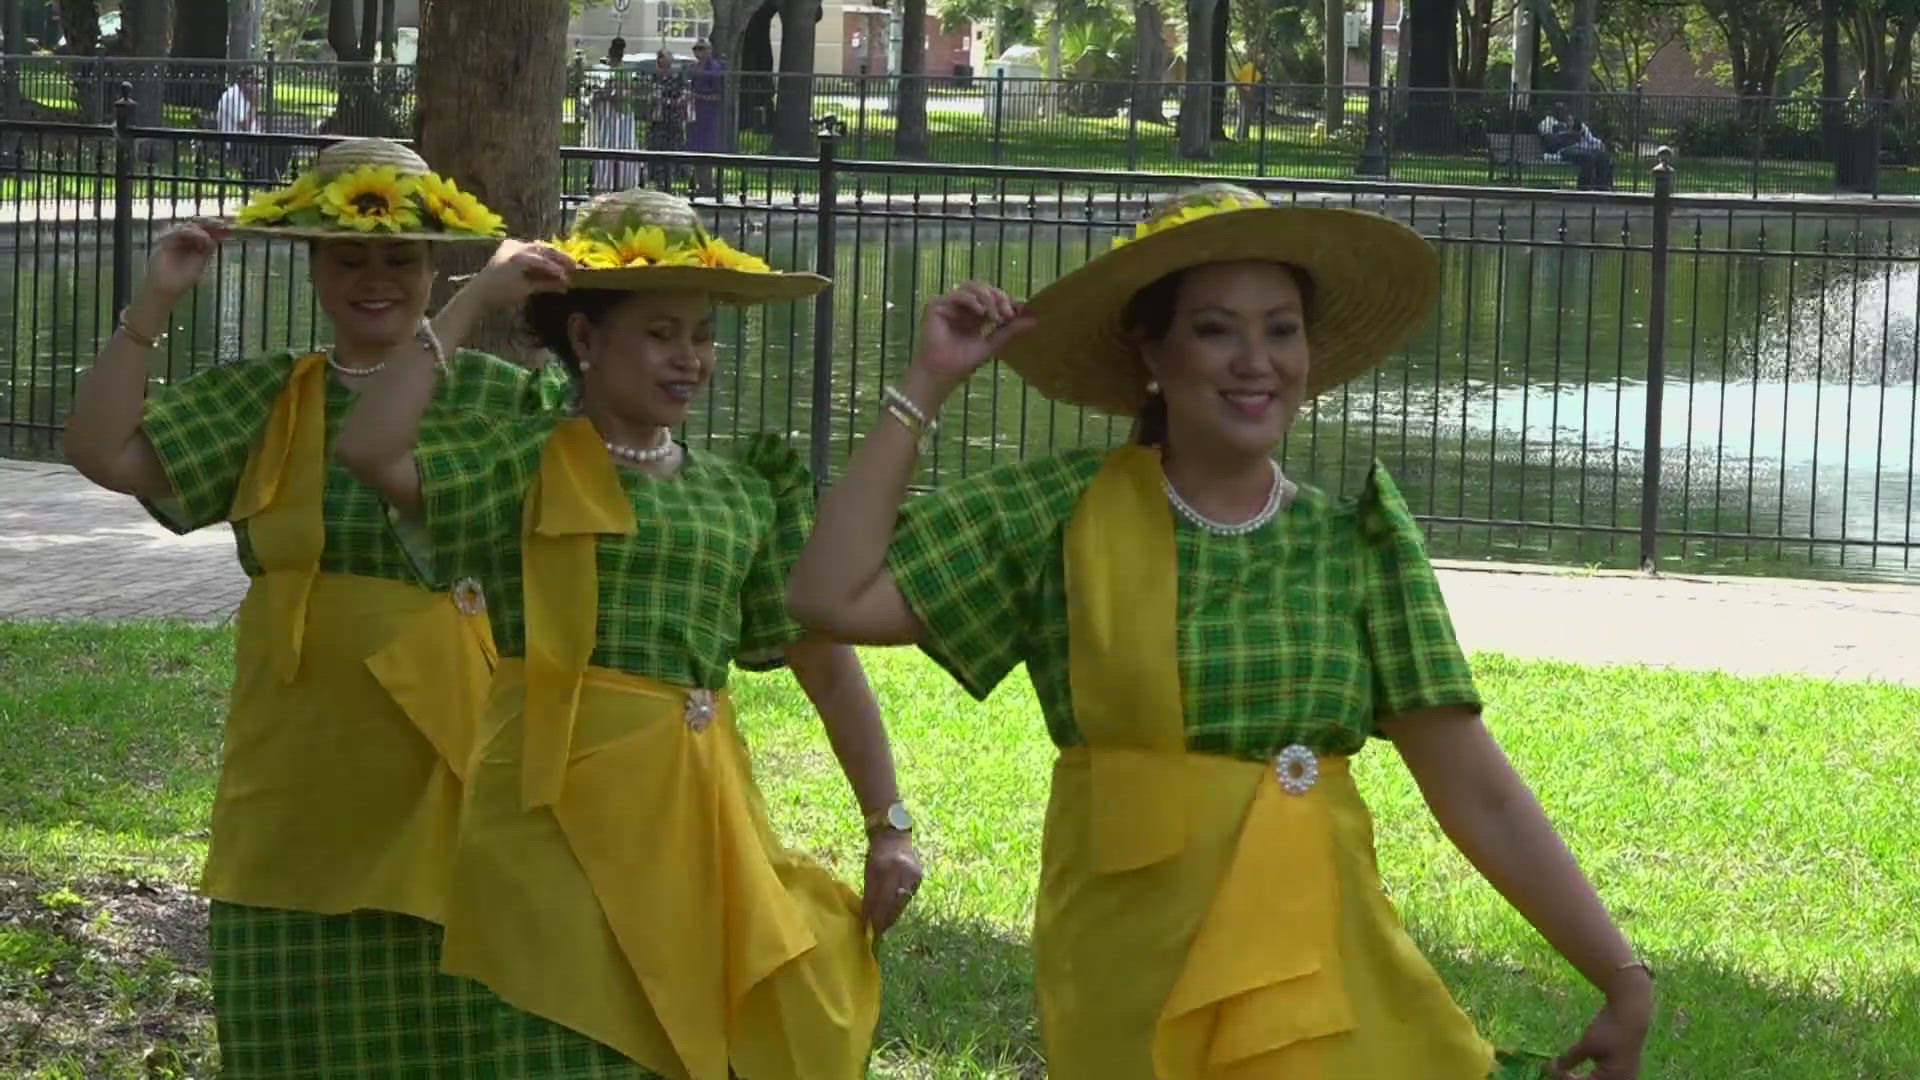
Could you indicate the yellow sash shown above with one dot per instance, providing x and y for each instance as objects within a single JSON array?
[
  {"x": 576, "y": 498},
  {"x": 1262, "y": 970},
  {"x": 279, "y": 498},
  {"x": 617, "y": 873}
]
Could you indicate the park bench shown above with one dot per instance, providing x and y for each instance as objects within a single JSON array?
[{"x": 1511, "y": 154}]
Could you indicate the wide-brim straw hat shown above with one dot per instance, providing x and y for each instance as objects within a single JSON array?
[
  {"x": 1374, "y": 282},
  {"x": 747, "y": 281},
  {"x": 344, "y": 157}
]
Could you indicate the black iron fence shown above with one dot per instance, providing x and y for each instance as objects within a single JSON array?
[
  {"x": 1756, "y": 145},
  {"x": 1705, "y": 383}
]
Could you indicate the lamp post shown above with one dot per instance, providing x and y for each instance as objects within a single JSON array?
[{"x": 1373, "y": 155}]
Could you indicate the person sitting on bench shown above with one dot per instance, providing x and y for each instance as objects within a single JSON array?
[{"x": 1576, "y": 144}]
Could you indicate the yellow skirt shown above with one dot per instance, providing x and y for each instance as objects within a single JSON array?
[
  {"x": 1264, "y": 950},
  {"x": 651, "y": 908},
  {"x": 340, "y": 788}
]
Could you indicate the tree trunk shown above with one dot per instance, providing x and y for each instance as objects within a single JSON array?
[
  {"x": 1217, "y": 72},
  {"x": 793, "y": 109},
  {"x": 199, "y": 32},
  {"x": 369, "y": 28},
  {"x": 143, "y": 37},
  {"x": 509, "y": 152},
  {"x": 910, "y": 108},
  {"x": 1334, "y": 17},
  {"x": 389, "y": 31},
  {"x": 1196, "y": 98},
  {"x": 343, "y": 34},
  {"x": 243, "y": 29},
  {"x": 756, "y": 69},
  {"x": 1586, "y": 47},
  {"x": 1430, "y": 115},
  {"x": 13, "y": 35},
  {"x": 357, "y": 107},
  {"x": 1150, "y": 62},
  {"x": 1830, "y": 78}
]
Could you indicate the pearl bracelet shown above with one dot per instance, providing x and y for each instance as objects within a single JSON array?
[{"x": 914, "y": 418}]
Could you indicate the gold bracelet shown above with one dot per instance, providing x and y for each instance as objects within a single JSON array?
[{"x": 136, "y": 336}]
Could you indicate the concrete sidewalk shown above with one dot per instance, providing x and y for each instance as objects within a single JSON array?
[{"x": 69, "y": 550}]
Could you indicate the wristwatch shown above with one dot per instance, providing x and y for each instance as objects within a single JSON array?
[{"x": 894, "y": 817}]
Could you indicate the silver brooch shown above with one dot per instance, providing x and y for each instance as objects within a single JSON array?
[
  {"x": 468, "y": 597},
  {"x": 1298, "y": 768},
  {"x": 699, "y": 709}
]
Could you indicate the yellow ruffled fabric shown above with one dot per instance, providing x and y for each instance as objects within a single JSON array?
[
  {"x": 1195, "y": 921},
  {"x": 616, "y": 871},
  {"x": 353, "y": 708}
]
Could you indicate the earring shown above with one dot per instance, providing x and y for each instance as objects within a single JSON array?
[
  {"x": 1153, "y": 387},
  {"x": 585, "y": 367}
]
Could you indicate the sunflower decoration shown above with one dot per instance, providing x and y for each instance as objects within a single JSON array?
[
  {"x": 631, "y": 242},
  {"x": 373, "y": 198},
  {"x": 372, "y": 188},
  {"x": 460, "y": 211},
  {"x": 1205, "y": 204},
  {"x": 277, "y": 207},
  {"x": 589, "y": 254}
]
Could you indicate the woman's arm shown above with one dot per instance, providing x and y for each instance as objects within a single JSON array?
[
  {"x": 833, "y": 680},
  {"x": 840, "y": 586},
  {"x": 102, "y": 438},
  {"x": 1492, "y": 817},
  {"x": 377, "y": 441}
]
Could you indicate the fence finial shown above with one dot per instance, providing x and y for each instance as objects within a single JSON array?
[
  {"x": 1663, "y": 159},
  {"x": 829, "y": 127}
]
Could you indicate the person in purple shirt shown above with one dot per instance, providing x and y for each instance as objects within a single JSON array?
[{"x": 709, "y": 87}]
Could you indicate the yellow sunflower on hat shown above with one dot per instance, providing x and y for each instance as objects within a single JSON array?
[
  {"x": 588, "y": 253},
  {"x": 273, "y": 207},
  {"x": 458, "y": 210},
  {"x": 712, "y": 251},
  {"x": 372, "y": 198}
]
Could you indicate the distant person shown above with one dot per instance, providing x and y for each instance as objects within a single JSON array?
[
  {"x": 666, "y": 117},
  {"x": 238, "y": 112},
  {"x": 610, "y": 124},
  {"x": 709, "y": 84},
  {"x": 1573, "y": 142}
]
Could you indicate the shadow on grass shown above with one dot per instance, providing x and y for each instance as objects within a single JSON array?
[{"x": 958, "y": 1000}]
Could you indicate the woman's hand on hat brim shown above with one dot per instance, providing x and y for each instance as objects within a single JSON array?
[
  {"x": 519, "y": 269},
  {"x": 963, "y": 327}
]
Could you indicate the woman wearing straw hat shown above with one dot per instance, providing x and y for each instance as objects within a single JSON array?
[
  {"x": 617, "y": 884},
  {"x": 360, "y": 667},
  {"x": 1210, "y": 642}
]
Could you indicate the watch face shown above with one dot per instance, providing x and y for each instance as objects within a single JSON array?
[{"x": 898, "y": 818}]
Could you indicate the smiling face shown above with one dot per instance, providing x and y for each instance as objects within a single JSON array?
[
  {"x": 1231, "y": 358},
  {"x": 646, "y": 356},
  {"x": 375, "y": 291}
]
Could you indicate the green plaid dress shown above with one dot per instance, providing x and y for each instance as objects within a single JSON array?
[
  {"x": 699, "y": 587},
  {"x": 299, "y": 994},
  {"x": 1307, "y": 630}
]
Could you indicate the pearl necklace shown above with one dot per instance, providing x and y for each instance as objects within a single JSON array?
[
  {"x": 644, "y": 455},
  {"x": 1277, "y": 498},
  {"x": 354, "y": 372}
]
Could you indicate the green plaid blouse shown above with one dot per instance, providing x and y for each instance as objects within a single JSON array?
[
  {"x": 700, "y": 584},
  {"x": 1309, "y": 629},
  {"x": 205, "y": 428}
]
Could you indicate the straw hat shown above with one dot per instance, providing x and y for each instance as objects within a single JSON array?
[
  {"x": 649, "y": 241},
  {"x": 1374, "y": 282},
  {"x": 371, "y": 189}
]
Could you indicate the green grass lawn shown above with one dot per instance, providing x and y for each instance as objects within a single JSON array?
[{"x": 1754, "y": 836}]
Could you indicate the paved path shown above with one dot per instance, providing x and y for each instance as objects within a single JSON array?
[{"x": 71, "y": 551}]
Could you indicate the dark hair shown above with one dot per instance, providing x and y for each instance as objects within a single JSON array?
[
  {"x": 618, "y": 45},
  {"x": 1148, "y": 318},
  {"x": 546, "y": 315}
]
